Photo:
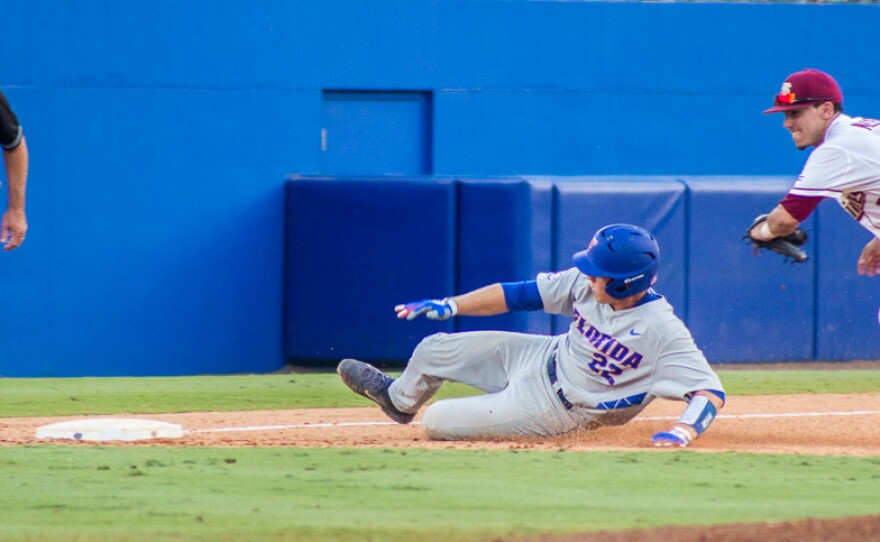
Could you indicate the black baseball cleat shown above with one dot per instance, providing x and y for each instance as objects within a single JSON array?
[{"x": 366, "y": 380}]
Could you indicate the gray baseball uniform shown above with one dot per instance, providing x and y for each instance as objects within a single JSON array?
[{"x": 605, "y": 370}]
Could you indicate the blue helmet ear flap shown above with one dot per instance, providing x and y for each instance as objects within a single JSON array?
[{"x": 626, "y": 254}]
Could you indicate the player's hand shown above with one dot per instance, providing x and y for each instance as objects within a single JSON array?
[
  {"x": 869, "y": 262},
  {"x": 433, "y": 309},
  {"x": 13, "y": 227},
  {"x": 675, "y": 437}
]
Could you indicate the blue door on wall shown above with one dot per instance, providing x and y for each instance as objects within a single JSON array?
[{"x": 376, "y": 133}]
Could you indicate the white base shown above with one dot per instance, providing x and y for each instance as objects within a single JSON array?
[{"x": 98, "y": 429}]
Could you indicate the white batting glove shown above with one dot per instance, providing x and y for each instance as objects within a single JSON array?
[{"x": 433, "y": 309}]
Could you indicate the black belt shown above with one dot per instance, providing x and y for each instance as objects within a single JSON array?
[{"x": 554, "y": 383}]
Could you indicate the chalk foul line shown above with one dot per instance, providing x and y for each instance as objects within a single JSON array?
[
  {"x": 291, "y": 426},
  {"x": 642, "y": 419}
]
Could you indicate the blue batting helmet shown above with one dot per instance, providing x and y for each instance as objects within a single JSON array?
[{"x": 627, "y": 254}]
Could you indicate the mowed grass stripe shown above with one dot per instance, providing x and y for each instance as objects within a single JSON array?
[
  {"x": 23, "y": 397},
  {"x": 169, "y": 493}
]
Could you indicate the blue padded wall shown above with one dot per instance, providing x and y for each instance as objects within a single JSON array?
[
  {"x": 743, "y": 307},
  {"x": 504, "y": 235},
  {"x": 846, "y": 303},
  {"x": 585, "y": 204},
  {"x": 355, "y": 249}
]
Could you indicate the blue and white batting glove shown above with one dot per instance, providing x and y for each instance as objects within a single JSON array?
[
  {"x": 433, "y": 309},
  {"x": 675, "y": 437}
]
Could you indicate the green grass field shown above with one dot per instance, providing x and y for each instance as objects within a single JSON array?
[
  {"x": 75, "y": 396},
  {"x": 110, "y": 493}
]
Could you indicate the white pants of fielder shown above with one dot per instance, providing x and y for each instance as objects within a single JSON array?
[{"x": 510, "y": 367}]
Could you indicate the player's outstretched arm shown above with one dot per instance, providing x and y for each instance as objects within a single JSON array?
[
  {"x": 13, "y": 225},
  {"x": 485, "y": 301},
  {"x": 701, "y": 410}
]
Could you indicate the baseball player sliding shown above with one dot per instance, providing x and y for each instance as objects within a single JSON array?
[
  {"x": 845, "y": 164},
  {"x": 623, "y": 348}
]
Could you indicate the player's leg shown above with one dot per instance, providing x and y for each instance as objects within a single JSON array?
[
  {"x": 437, "y": 358},
  {"x": 526, "y": 407},
  {"x": 368, "y": 381},
  {"x": 483, "y": 359}
]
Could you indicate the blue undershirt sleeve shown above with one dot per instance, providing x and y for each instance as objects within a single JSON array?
[{"x": 522, "y": 296}]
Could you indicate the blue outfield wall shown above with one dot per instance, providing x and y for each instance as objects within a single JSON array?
[
  {"x": 357, "y": 248},
  {"x": 740, "y": 307},
  {"x": 161, "y": 134},
  {"x": 743, "y": 306},
  {"x": 845, "y": 326},
  {"x": 504, "y": 234}
]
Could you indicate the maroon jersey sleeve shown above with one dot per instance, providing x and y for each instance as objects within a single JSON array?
[{"x": 800, "y": 207}]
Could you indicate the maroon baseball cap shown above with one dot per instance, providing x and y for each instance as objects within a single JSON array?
[{"x": 804, "y": 88}]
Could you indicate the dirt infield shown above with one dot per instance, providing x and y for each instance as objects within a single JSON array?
[
  {"x": 811, "y": 530},
  {"x": 799, "y": 424},
  {"x": 796, "y": 424}
]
